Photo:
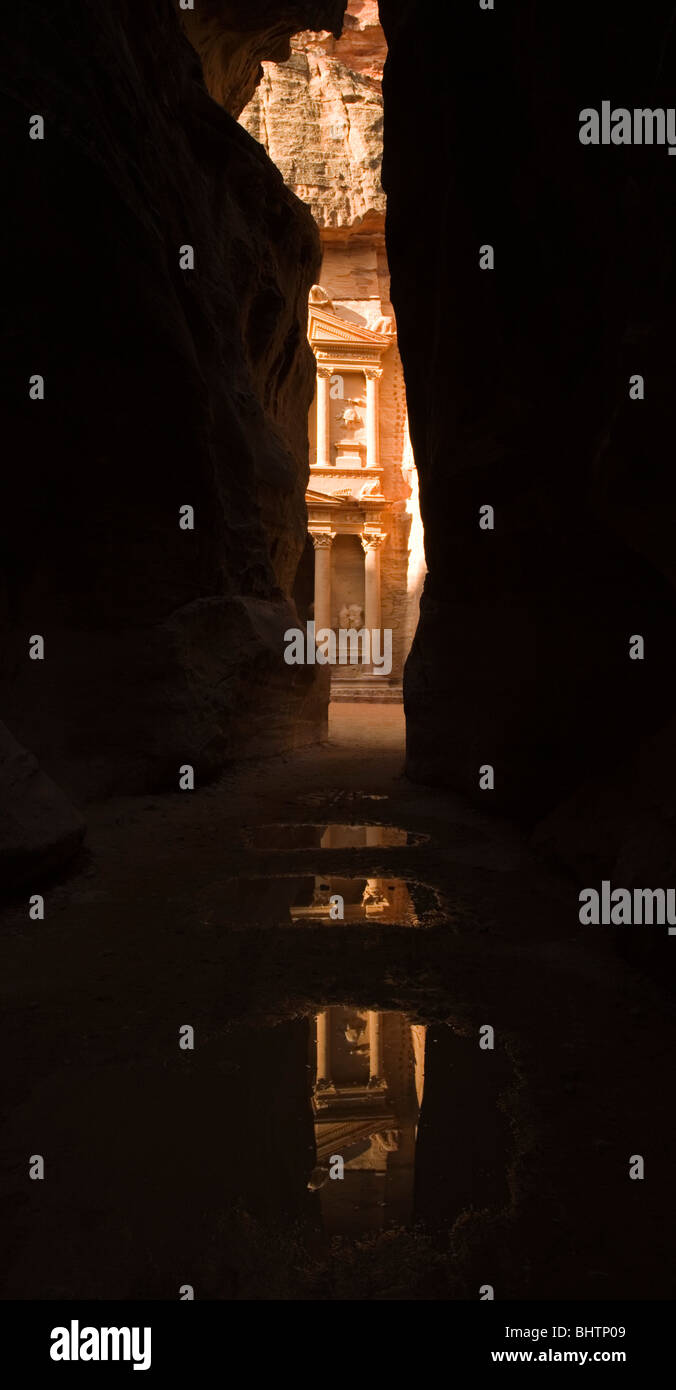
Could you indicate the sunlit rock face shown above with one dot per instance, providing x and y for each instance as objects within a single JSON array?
[
  {"x": 518, "y": 392},
  {"x": 361, "y": 46},
  {"x": 321, "y": 121},
  {"x": 163, "y": 387},
  {"x": 233, "y": 37}
]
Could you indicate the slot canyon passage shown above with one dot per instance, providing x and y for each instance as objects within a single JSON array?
[{"x": 252, "y": 132}]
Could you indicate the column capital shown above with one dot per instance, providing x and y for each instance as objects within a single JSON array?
[
  {"x": 325, "y": 373},
  {"x": 322, "y": 540},
  {"x": 372, "y": 541},
  {"x": 373, "y": 373}
]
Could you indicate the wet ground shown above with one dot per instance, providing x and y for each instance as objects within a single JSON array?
[{"x": 413, "y": 1073}]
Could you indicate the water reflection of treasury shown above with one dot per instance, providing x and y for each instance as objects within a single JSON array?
[
  {"x": 368, "y": 1075},
  {"x": 349, "y": 646}
]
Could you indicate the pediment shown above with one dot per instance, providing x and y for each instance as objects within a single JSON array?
[
  {"x": 328, "y": 499},
  {"x": 326, "y": 330}
]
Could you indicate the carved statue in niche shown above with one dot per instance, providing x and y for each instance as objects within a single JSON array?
[
  {"x": 356, "y": 1033},
  {"x": 386, "y": 1141},
  {"x": 381, "y": 323},
  {"x": 350, "y": 417},
  {"x": 318, "y": 1177},
  {"x": 374, "y": 895},
  {"x": 371, "y": 489},
  {"x": 350, "y": 616},
  {"x": 318, "y": 295}
]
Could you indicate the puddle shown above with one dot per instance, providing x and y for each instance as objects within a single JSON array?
[
  {"x": 367, "y": 1073},
  {"x": 310, "y": 900},
  {"x": 363, "y": 900},
  {"x": 401, "y": 1110},
  {"x": 281, "y": 837}
]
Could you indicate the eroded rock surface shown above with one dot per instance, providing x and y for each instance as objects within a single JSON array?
[
  {"x": 361, "y": 46},
  {"x": 163, "y": 386},
  {"x": 232, "y": 37},
  {"x": 518, "y": 391},
  {"x": 320, "y": 117}
]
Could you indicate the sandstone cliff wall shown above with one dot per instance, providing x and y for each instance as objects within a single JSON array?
[
  {"x": 163, "y": 387},
  {"x": 322, "y": 125},
  {"x": 519, "y": 398}
]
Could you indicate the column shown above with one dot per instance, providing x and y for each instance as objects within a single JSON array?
[
  {"x": 324, "y": 1048},
  {"x": 323, "y": 418},
  {"x": 322, "y": 544},
  {"x": 373, "y": 375},
  {"x": 375, "y": 1021},
  {"x": 371, "y": 547}
]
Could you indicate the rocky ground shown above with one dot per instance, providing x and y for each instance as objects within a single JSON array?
[{"x": 165, "y": 1167}]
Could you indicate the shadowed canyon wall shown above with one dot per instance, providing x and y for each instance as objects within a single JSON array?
[
  {"x": 166, "y": 386},
  {"x": 518, "y": 392},
  {"x": 163, "y": 387}
]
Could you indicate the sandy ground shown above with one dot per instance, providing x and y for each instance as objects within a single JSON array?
[{"x": 164, "y": 1167}]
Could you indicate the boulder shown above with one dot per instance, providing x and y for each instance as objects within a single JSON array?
[{"x": 39, "y": 829}]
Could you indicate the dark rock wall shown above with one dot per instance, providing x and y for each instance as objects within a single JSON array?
[
  {"x": 163, "y": 387},
  {"x": 518, "y": 383},
  {"x": 233, "y": 37}
]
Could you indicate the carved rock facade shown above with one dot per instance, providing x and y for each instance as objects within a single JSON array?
[{"x": 319, "y": 116}]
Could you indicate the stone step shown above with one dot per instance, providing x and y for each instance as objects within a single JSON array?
[{"x": 371, "y": 689}]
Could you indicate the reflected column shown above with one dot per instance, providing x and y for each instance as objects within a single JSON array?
[
  {"x": 375, "y": 1022},
  {"x": 324, "y": 1048}
]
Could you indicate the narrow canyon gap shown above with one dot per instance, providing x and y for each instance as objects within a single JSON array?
[{"x": 319, "y": 115}]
